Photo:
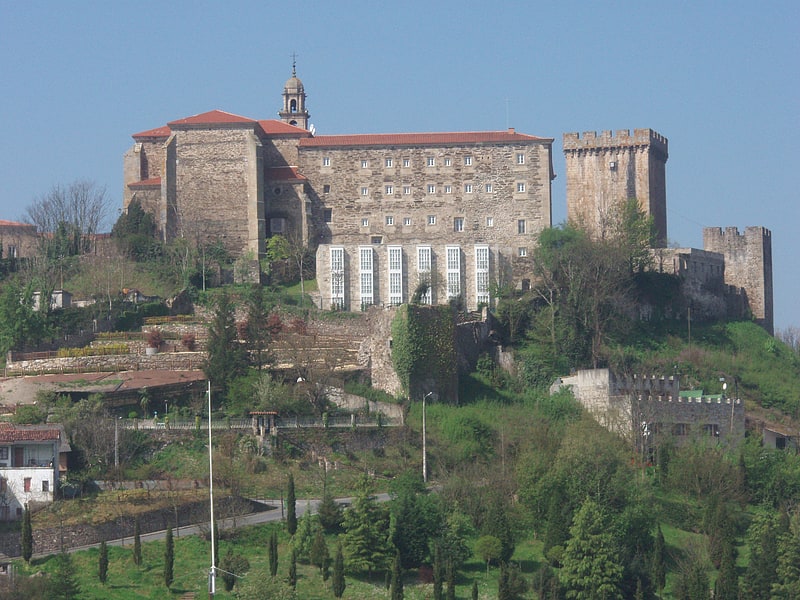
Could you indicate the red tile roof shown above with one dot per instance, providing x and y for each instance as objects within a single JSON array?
[
  {"x": 421, "y": 139},
  {"x": 212, "y": 117},
  {"x": 275, "y": 127},
  {"x": 153, "y": 181},
  {"x": 159, "y": 132},
  {"x": 10, "y": 433},
  {"x": 283, "y": 174},
  {"x": 14, "y": 224}
]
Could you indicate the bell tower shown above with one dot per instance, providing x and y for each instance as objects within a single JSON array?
[{"x": 294, "y": 101}]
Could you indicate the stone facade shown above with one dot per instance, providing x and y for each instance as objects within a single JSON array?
[
  {"x": 17, "y": 240},
  {"x": 748, "y": 266},
  {"x": 606, "y": 170}
]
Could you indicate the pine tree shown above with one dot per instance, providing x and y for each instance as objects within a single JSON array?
[
  {"x": 102, "y": 563},
  {"x": 291, "y": 508},
  {"x": 137, "y": 543},
  {"x": 338, "y": 573},
  {"x": 396, "y": 592},
  {"x": 273, "y": 554},
  {"x": 62, "y": 584},
  {"x": 27, "y": 535},
  {"x": 307, "y": 527},
  {"x": 226, "y": 356},
  {"x": 788, "y": 571},
  {"x": 658, "y": 570},
  {"x": 366, "y": 528},
  {"x": 330, "y": 514},
  {"x": 293, "y": 569},
  {"x": 169, "y": 558},
  {"x": 762, "y": 570},
  {"x": 319, "y": 555}
]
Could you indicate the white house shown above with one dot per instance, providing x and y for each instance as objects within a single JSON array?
[{"x": 32, "y": 458}]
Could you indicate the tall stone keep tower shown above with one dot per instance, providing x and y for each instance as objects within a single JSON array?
[
  {"x": 748, "y": 266},
  {"x": 294, "y": 101},
  {"x": 607, "y": 169}
]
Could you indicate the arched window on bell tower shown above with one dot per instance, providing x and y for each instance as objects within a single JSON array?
[{"x": 294, "y": 102}]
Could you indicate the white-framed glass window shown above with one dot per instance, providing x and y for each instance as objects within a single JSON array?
[
  {"x": 490, "y": 221},
  {"x": 520, "y": 159},
  {"x": 424, "y": 272},
  {"x": 406, "y": 221},
  {"x": 448, "y": 189},
  {"x": 364, "y": 163},
  {"x": 489, "y": 188},
  {"x": 277, "y": 225},
  {"x": 431, "y": 219},
  {"x": 522, "y": 226},
  {"x": 365, "y": 222},
  {"x": 406, "y": 190},
  {"x": 520, "y": 186},
  {"x": 406, "y": 162},
  {"x": 395, "y": 275},
  {"x": 447, "y": 162},
  {"x": 389, "y": 220},
  {"x": 482, "y": 274},
  {"x": 467, "y": 161},
  {"x": 364, "y": 191},
  {"x": 458, "y": 224},
  {"x": 467, "y": 188},
  {"x": 431, "y": 161},
  {"x": 337, "y": 277},
  {"x": 389, "y": 190},
  {"x": 389, "y": 162},
  {"x": 326, "y": 161},
  {"x": 522, "y": 252},
  {"x": 366, "y": 276},
  {"x": 431, "y": 188},
  {"x": 453, "y": 271}
]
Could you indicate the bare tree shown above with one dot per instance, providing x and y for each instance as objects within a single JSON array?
[{"x": 70, "y": 216}]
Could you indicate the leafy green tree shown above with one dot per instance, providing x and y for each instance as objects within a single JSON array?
[
  {"x": 231, "y": 567},
  {"x": 260, "y": 586},
  {"x": 489, "y": 549},
  {"x": 291, "y": 507},
  {"x": 366, "y": 526},
  {"x": 227, "y": 359},
  {"x": 414, "y": 519},
  {"x": 761, "y": 573},
  {"x": 338, "y": 584},
  {"x": 319, "y": 555},
  {"x": 693, "y": 583},
  {"x": 591, "y": 566},
  {"x": 788, "y": 571},
  {"x": 454, "y": 536},
  {"x": 273, "y": 553},
  {"x": 497, "y": 524},
  {"x": 169, "y": 557},
  {"x": 330, "y": 514},
  {"x": 102, "y": 563},
  {"x": 307, "y": 527},
  {"x": 27, "y": 535},
  {"x": 137, "y": 543},
  {"x": 62, "y": 584},
  {"x": 134, "y": 234},
  {"x": 396, "y": 588},
  {"x": 19, "y": 322}
]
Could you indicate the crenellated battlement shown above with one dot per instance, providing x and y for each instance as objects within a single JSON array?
[{"x": 622, "y": 138}]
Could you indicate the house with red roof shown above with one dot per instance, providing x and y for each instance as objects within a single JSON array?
[
  {"x": 444, "y": 214},
  {"x": 33, "y": 458}
]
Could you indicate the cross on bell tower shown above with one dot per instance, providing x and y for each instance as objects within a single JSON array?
[{"x": 294, "y": 100}]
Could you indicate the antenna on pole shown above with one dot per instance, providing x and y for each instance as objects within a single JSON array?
[
  {"x": 212, "y": 587},
  {"x": 507, "y": 115}
]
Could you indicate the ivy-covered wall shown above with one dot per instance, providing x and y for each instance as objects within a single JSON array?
[{"x": 424, "y": 351}]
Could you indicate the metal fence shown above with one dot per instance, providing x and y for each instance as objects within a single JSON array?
[{"x": 352, "y": 421}]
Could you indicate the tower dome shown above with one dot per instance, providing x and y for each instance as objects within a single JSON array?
[{"x": 294, "y": 101}]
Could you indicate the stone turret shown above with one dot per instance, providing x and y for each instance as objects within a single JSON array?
[{"x": 294, "y": 102}]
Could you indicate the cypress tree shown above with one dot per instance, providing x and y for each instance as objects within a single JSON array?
[
  {"x": 658, "y": 571},
  {"x": 338, "y": 573},
  {"x": 137, "y": 543},
  {"x": 727, "y": 584},
  {"x": 293, "y": 569},
  {"x": 102, "y": 563},
  {"x": 474, "y": 589},
  {"x": 169, "y": 558},
  {"x": 438, "y": 572},
  {"x": 27, "y": 535},
  {"x": 273, "y": 553},
  {"x": 319, "y": 555},
  {"x": 397, "y": 579},
  {"x": 451, "y": 581},
  {"x": 291, "y": 512}
]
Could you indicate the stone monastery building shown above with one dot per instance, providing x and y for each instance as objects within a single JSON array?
[{"x": 386, "y": 213}]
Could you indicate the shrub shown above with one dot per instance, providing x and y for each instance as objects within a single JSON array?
[
  {"x": 189, "y": 342},
  {"x": 154, "y": 338}
]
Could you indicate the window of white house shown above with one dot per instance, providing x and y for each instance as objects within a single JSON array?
[
  {"x": 520, "y": 159},
  {"x": 431, "y": 161},
  {"x": 467, "y": 161},
  {"x": 448, "y": 189},
  {"x": 520, "y": 187},
  {"x": 365, "y": 222},
  {"x": 447, "y": 162},
  {"x": 364, "y": 191},
  {"x": 522, "y": 252},
  {"x": 458, "y": 224},
  {"x": 489, "y": 188},
  {"x": 431, "y": 188},
  {"x": 490, "y": 221},
  {"x": 277, "y": 225},
  {"x": 27, "y": 484},
  {"x": 364, "y": 164},
  {"x": 431, "y": 219},
  {"x": 388, "y": 162},
  {"x": 521, "y": 226},
  {"x": 467, "y": 188},
  {"x": 45, "y": 486},
  {"x": 326, "y": 161},
  {"x": 389, "y": 220},
  {"x": 406, "y": 221},
  {"x": 406, "y": 162},
  {"x": 406, "y": 190},
  {"x": 389, "y": 190}
]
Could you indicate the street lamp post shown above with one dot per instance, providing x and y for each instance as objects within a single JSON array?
[{"x": 424, "y": 439}]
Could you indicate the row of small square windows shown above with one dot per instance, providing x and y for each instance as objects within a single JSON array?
[
  {"x": 448, "y": 189},
  {"x": 458, "y": 222},
  {"x": 430, "y": 161}
]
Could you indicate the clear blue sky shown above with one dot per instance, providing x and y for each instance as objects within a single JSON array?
[{"x": 719, "y": 79}]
